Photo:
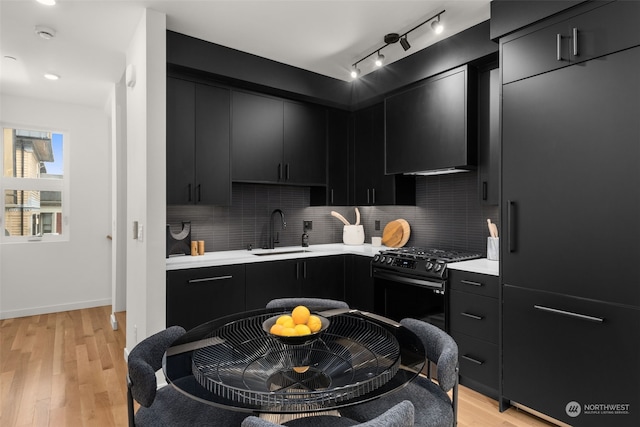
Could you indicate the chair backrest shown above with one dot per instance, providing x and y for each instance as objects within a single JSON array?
[
  {"x": 145, "y": 359},
  {"x": 400, "y": 415},
  {"x": 308, "y": 302},
  {"x": 440, "y": 348}
]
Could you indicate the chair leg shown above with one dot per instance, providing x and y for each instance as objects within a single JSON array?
[
  {"x": 455, "y": 398},
  {"x": 130, "y": 408}
]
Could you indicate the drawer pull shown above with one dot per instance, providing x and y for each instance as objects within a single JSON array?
[
  {"x": 569, "y": 314},
  {"x": 471, "y": 359},
  {"x": 469, "y": 282},
  {"x": 210, "y": 279},
  {"x": 473, "y": 316}
]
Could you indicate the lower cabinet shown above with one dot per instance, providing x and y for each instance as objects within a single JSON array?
[
  {"x": 572, "y": 356},
  {"x": 474, "y": 320},
  {"x": 321, "y": 277},
  {"x": 359, "y": 283},
  {"x": 197, "y": 295}
]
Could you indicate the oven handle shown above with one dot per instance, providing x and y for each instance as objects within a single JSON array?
[{"x": 408, "y": 280}]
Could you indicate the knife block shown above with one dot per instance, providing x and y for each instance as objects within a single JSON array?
[{"x": 353, "y": 235}]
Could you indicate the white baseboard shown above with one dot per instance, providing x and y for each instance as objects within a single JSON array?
[
  {"x": 34, "y": 311},
  {"x": 114, "y": 322}
]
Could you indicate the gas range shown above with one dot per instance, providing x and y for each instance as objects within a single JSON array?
[{"x": 419, "y": 262}]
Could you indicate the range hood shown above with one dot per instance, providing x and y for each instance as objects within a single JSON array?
[{"x": 444, "y": 171}]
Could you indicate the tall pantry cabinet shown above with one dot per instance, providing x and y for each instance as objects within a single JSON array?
[{"x": 571, "y": 212}]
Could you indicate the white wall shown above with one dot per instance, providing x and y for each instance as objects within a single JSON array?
[
  {"x": 146, "y": 179},
  {"x": 39, "y": 277}
]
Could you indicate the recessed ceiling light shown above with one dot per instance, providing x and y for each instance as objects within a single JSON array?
[
  {"x": 47, "y": 2},
  {"x": 45, "y": 32},
  {"x": 51, "y": 76}
]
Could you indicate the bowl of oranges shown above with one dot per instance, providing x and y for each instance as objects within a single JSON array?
[{"x": 298, "y": 327}]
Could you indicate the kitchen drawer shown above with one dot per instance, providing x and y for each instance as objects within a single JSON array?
[
  {"x": 475, "y": 283},
  {"x": 478, "y": 360},
  {"x": 474, "y": 315}
]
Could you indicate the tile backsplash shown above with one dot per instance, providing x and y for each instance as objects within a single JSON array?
[{"x": 447, "y": 215}]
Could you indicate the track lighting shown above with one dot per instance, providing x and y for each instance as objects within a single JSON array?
[
  {"x": 405, "y": 43},
  {"x": 391, "y": 38}
]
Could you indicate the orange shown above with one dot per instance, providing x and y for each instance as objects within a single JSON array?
[
  {"x": 300, "y": 315},
  {"x": 288, "y": 332},
  {"x": 276, "y": 329},
  {"x": 286, "y": 321},
  {"x": 302, "y": 330},
  {"x": 314, "y": 323}
]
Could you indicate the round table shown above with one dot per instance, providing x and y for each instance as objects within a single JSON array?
[{"x": 233, "y": 363}]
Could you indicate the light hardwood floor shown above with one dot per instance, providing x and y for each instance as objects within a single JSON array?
[{"x": 68, "y": 369}]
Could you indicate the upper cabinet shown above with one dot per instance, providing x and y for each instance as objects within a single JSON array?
[
  {"x": 566, "y": 41},
  {"x": 338, "y": 159},
  {"x": 198, "y": 152},
  {"x": 277, "y": 141},
  {"x": 432, "y": 126}
]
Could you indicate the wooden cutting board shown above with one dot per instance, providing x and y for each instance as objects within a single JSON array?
[{"x": 396, "y": 233}]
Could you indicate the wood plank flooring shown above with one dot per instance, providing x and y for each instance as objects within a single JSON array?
[{"x": 68, "y": 369}]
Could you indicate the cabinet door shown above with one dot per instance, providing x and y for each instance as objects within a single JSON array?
[
  {"x": 426, "y": 126},
  {"x": 269, "y": 280},
  {"x": 323, "y": 277},
  {"x": 257, "y": 130},
  {"x": 559, "y": 349},
  {"x": 338, "y": 158},
  {"x": 359, "y": 284},
  {"x": 489, "y": 136},
  {"x": 180, "y": 141},
  {"x": 383, "y": 187},
  {"x": 212, "y": 154},
  {"x": 571, "y": 162},
  {"x": 305, "y": 144},
  {"x": 195, "y": 296},
  {"x": 364, "y": 152}
]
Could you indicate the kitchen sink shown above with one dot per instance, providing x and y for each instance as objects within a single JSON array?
[{"x": 295, "y": 251}]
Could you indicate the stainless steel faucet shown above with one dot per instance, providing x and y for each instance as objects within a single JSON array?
[{"x": 273, "y": 235}]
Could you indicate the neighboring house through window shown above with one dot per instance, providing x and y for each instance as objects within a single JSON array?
[{"x": 34, "y": 185}]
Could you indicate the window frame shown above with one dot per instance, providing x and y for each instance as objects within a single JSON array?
[{"x": 10, "y": 183}]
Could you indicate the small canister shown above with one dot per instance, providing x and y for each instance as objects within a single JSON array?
[
  {"x": 194, "y": 247},
  {"x": 200, "y": 247}
]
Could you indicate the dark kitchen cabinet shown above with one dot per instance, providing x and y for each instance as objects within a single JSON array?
[
  {"x": 489, "y": 136},
  {"x": 570, "y": 157},
  {"x": 277, "y": 141},
  {"x": 564, "y": 41},
  {"x": 197, "y": 295},
  {"x": 198, "y": 144},
  {"x": 561, "y": 349},
  {"x": 321, "y": 277},
  {"x": 432, "y": 126},
  {"x": 338, "y": 166},
  {"x": 371, "y": 185},
  {"x": 474, "y": 318},
  {"x": 359, "y": 283}
]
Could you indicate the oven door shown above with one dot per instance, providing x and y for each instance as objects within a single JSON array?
[{"x": 398, "y": 295}]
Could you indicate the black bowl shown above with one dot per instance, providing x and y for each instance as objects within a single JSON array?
[{"x": 298, "y": 339}]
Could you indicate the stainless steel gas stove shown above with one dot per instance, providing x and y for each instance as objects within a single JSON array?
[{"x": 412, "y": 282}]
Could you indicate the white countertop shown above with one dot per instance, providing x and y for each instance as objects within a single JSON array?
[
  {"x": 481, "y": 265},
  {"x": 212, "y": 259}
]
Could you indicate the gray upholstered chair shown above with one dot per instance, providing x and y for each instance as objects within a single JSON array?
[
  {"x": 322, "y": 303},
  {"x": 400, "y": 415},
  {"x": 433, "y": 407},
  {"x": 166, "y": 406}
]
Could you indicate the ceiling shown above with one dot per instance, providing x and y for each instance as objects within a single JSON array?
[{"x": 89, "y": 49}]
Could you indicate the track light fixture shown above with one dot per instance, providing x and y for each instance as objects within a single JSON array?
[{"x": 392, "y": 38}]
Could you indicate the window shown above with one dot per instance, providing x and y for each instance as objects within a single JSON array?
[{"x": 34, "y": 184}]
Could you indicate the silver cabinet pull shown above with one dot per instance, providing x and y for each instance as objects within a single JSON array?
[
  {"x": 469, "y": 282},
  {"x": 559, "y": 47},
  {"x": 472, "y": 316},
  {"x": 569, "y": 314},
  {"x": 575, "y": 42},
  {"x": 210, "y": 279},
  {"x": 471, "y": 359},
  {"x": 373, "y": 202}
]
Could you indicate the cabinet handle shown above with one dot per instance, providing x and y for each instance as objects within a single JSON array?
[
  {"x": 199, "y": 193},
  {"x": 279, "y": 171},
  {"x": 484, "y": 190},
  {"x": 189, "y": 190},
  {"x": 511, "y": 215},
  {"x": 471, "y": 359},
  {"x": 332, "y": 196},
  {"x": 472, "y": 316},
  {"x": 575, "y": 42},
  {"x": 373, "y": 202},
  {"x": 297, "y": 270},
  {"x": 469, "y": 282},
  {"x": 559, "y": 47},
  {"x": 368, "y": 201},
  {"x": 569, "y": 314},
  {"x": 304, "y": 270},
  {"x": 210, "y": 279},
  {"x": 286, "y": 172}
]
